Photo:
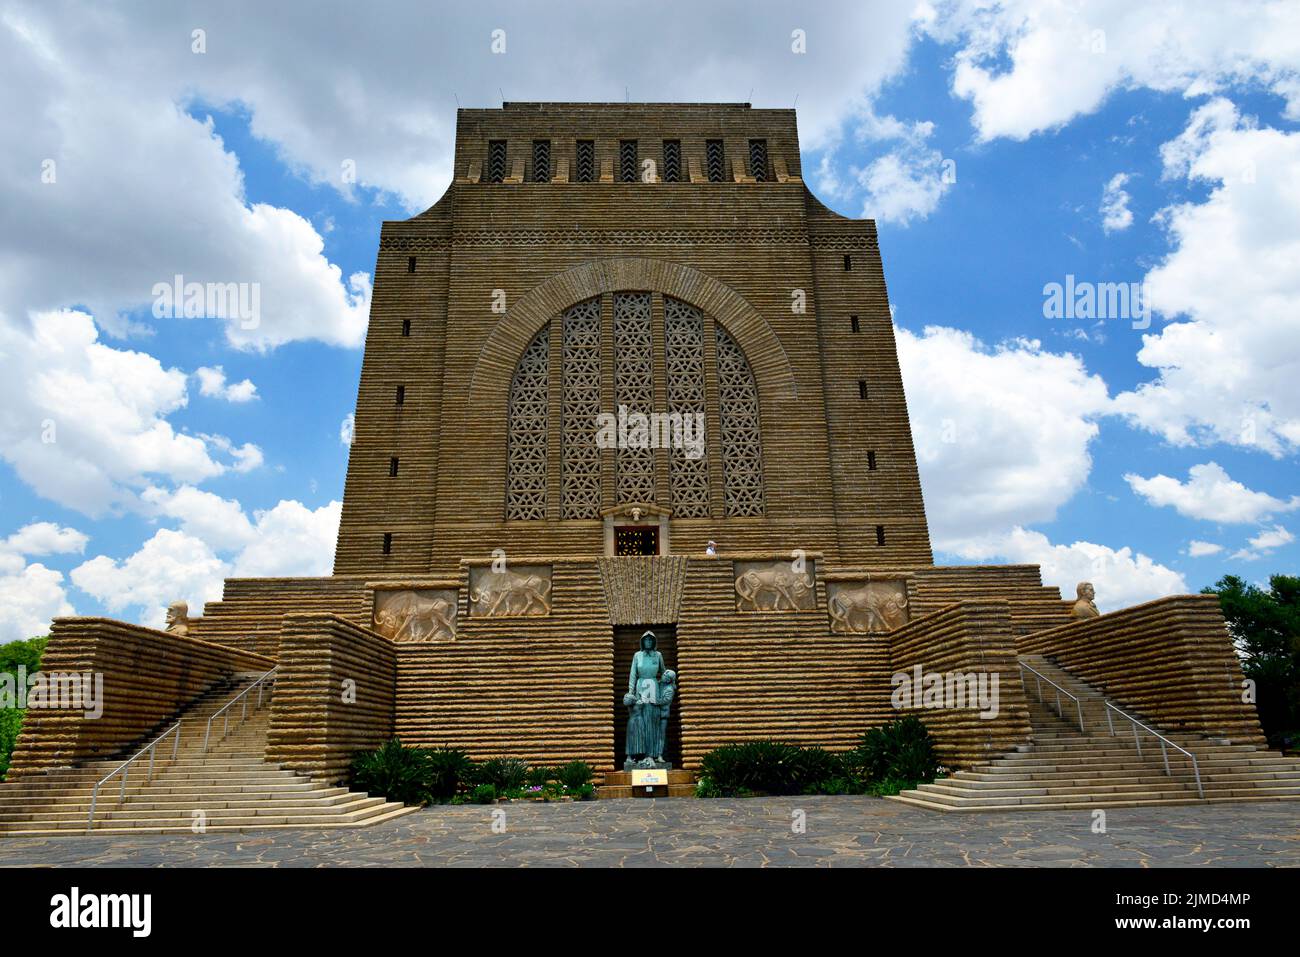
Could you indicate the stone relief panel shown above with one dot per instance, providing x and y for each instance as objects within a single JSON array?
[
  {"x": 859, "y": 607},
  {"x": 775, "y": 586},
  {"x": 517, "y": 591},
  {"x": 406, "y": 614}
]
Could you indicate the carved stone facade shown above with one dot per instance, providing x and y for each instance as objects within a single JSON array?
[
  {"x": 415, "y": 614},
  {"x": 776, "y": 586},
  {"x": 862, "y": 607},
  {"x": 512, "y": 592},
  {"x": 650, "y": 332}
]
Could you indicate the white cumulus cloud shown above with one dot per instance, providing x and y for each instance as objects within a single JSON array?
[
  {"x": 1227, "y": 368},
  {"x": 216, "y": 540},
  {"x": 1001, "y": 433},
  {"x": 1115, "y": 214},
  {"x": 1121, "y": 576},
  {"x": 212, "y": 383},
  {"x": 1210, "y": 494}
]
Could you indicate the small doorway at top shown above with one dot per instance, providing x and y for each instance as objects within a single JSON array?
[{"x": 636, "y": 540}]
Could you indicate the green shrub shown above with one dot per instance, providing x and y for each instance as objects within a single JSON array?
[
  {"x": 902, "y": 750},
  {"x": 889, "y": 759},
  {"x": 393, "y": 771},
  {"x": 11, "y": 722},
  {"x": 14, "y": 654},
  {"x": 575, "y": 775},
  {"x": 539, "y": 776},
  {"x": 448, "y": 769},
  {"x": 410, "y": 775},
  {"x": 483, "y": 794},
  {"x": 766, "y": 766},
  {"x": 503, "y": 774}
]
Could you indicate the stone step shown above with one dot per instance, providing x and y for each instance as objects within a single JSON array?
[
  {"x": 608, "y": 792},
  {"x": 397, "y": 812},
  {"x": 907, "y": 798},
  {"x": 239, "y": 798}
]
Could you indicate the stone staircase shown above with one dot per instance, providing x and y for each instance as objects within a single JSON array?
[
  {"x": 1068, "y": 767},
  {"x": 227, "y": 788}
]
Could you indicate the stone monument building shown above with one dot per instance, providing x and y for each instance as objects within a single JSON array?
[{"x": 629, "y": 374}]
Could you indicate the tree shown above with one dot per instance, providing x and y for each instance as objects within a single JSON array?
[
  {"x": 12, "y": 655},
  {"x": 1265, "y": 625}
]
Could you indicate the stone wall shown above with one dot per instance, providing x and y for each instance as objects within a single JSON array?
[
  {"x": 1170, "y": 661},
  {"x": 334, "y": 695},
  {"x": 771, "y": 675},
  {"x": 968, "y": 637},
  {"x": 534, "y": 687},
  {"x": 148, "y": 676},
  {"x": 737, "y": 249},
  {"x": 251, "y": 609}
]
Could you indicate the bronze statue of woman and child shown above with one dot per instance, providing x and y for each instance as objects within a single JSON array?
[{"x": 650, "y": 692}]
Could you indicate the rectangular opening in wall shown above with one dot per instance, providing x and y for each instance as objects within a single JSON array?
[
  {"x": 871, "y": 461},
  {"x": 392, "y": 465},
  {"x": 854, "y": 324},
  {"x": 714, "y": 160},
  {"x": 862, "y": 388},
  {"x": 406, "y": 327},
  {"x": 388, "y": 543},
  {"x": 758, "y": 160},
  {"x": 584, "y": 161},
  {"x": 496, "y": 164},
  {"x": 401, "y": 394},
  {"x": 541, "y": 161},
  {"x": 880, "y": 534},
  {"x": 672, "y": 161},
  {"x": 848, "y": 263},
  {"x": 627, "y": 172},
  {"x": 410, "y": 264}
]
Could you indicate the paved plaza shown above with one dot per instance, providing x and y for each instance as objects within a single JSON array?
[{"x": 754, "y": 832}]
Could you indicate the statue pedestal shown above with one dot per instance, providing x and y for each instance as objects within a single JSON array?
[{"x": 646, "y": 764}]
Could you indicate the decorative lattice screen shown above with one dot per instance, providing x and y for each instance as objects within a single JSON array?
[
  {"x": 580, "y": 459},
  {"x": 714, "y": 162},
  {"x": 634, "y": 388},
  {"x": 526, "y": 467},
  {"x": 742, "y": 458},
  {"x": 684, "y": 346}
]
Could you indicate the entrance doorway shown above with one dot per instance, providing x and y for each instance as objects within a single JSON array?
[
  {"x": 636, "y": 540},
  {"x": 627, "y": 640}
]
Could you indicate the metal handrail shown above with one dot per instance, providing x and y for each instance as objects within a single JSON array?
[
  {"x": 259, "y": 684},
  {"x": 125, "y": 769},
  {"x": 1059, "y": 691},
  {"x": 1164, "y": 751}
]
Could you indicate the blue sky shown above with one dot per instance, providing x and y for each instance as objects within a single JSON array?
[{"x": 1157, "y": 145}]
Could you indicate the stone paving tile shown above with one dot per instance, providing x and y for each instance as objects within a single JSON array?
[{"x": 685, "y": 832}]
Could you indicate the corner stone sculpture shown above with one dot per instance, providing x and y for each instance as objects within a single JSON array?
[
  {"x": 1085, "y": 607},
  {"x": 650, "y": 693},
  {"x": 178, "y": 618}
]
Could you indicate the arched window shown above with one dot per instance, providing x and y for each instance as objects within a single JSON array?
[{"x": 623, "y": 342}]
